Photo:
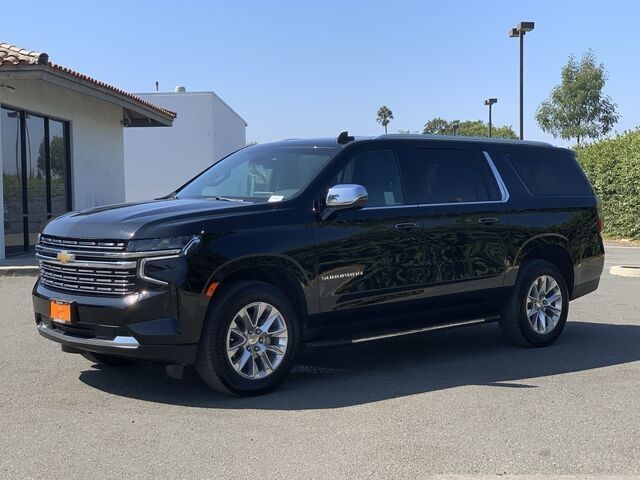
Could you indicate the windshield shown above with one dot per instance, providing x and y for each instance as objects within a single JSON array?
[{"x": 263, "y": 173}]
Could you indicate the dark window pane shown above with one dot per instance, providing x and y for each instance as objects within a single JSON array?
[
  {"x": 549, "y": 171},
  {"x": 12, "y": 181},
  {"x": 36, "y": 174},
  {"x": 58, "y": 162},
  {"x": 446, "y": 176},
  {"x": 378, "y": 172}
]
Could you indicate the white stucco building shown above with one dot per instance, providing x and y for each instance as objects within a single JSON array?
[
  {"x": 61, "y": 142},
  {"x": 157, "y": 161}
]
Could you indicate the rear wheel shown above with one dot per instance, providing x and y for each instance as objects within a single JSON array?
[
  {"x": 249, "y": 339},
  {"x": 108, "y": 360},
  {"x": 538, "y": 309}
]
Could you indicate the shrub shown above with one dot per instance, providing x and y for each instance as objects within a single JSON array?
[{"x": 613, "y": 167}]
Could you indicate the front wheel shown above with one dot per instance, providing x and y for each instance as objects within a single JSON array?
[
  {"x": 538, "y": 308},
  {"x": 249, "y": 339}
]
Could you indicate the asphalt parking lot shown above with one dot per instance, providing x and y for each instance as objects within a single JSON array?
[{"x": 454, "y": 402}]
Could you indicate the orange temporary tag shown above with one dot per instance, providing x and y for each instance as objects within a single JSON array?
[{"x": 60, "y": 312}]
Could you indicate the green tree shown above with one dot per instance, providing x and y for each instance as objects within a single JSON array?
[
  {"x": 505, "y": 131},
  {"x": 385, "y": 115},
  {"x": 57, "y": 154},
  {"x": 473, "y": 128},
  {"x": 577, "y": 107},
  {"x": 613, "y": 167},
  {"x": 438, "y": 126},
  {"x": 467, "y": 128}
]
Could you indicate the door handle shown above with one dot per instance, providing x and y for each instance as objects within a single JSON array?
[
  {"x": 488, "y": 220},
  {"x": 406, "y": 226}
]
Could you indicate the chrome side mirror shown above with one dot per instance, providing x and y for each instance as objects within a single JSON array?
[
  {"x": 343, "y": 197},
  {"x": 347, "y": 196}
]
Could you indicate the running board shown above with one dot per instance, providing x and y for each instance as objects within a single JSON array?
[{"x": 396, "y": 333}]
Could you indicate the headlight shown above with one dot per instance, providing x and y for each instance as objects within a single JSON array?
[{"x": 155, "y": 244}]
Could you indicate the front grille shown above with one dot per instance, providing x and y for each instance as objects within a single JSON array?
[
  {"x": 98, "y": 268},
  {"x": 79, "y": 244},
  {"x": 100, "y": 280}
]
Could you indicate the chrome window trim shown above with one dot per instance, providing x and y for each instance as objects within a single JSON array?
[
  {"x": 504, "y": 192},
  {"x": 390, "y": 206},
  {"x": 502, "y": 187}
]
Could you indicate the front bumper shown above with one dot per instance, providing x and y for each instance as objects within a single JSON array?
[
  {"x": 143, "y": 326},
  {"x": 121, "y": 346}
]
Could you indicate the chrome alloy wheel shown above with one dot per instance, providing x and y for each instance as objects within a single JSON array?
[
  {"x": 544, "y": 304},
  {"x": 257, "y": 340}
]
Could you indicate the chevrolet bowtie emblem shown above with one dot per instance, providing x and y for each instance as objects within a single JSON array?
[{"x": 65, "y": 257}]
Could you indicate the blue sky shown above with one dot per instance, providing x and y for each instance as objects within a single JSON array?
[{"x": 314, "y": 68}]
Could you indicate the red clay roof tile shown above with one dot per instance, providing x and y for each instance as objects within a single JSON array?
[{"x": 12, "y": 55}]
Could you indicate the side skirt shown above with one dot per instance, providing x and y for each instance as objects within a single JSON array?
[{"x": 381, "y": 335}]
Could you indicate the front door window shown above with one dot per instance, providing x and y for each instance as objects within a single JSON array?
[{"x": 378, "y": 172}]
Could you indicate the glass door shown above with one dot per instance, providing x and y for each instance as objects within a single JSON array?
[
  {"x": 14, "y": 237},
  {"x": 58, "y": 168},
  {"x": 35, "y": 175}
]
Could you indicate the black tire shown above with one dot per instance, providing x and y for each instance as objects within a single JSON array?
[
  {"x": 514, "y": 322},
  {"x": 108, "y": 360},
  {"x": 212, "y": 362}
]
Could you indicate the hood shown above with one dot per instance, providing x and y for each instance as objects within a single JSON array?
[{"x": 156, "y": 218}]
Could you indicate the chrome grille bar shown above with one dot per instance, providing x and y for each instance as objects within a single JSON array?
[
  {"x": 104, "y": 245},
  {"x": 100, "y": 267},
  {"x": 83, "y": 254},
  {"x": 89, "y": 264}
]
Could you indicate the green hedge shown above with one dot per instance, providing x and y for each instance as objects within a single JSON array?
[{"x": 613, "y": 167}]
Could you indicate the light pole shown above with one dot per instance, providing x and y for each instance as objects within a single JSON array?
[
  {"x": 490, "y": 102},
  {"x": 519, "y": 32}
]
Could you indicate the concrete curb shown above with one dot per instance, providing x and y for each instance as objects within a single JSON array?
[
  {"x": 19, "y": 271},
  {"x": 625, "y": 270}
]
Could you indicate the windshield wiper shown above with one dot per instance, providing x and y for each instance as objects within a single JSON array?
[{"x": 227, "y": 199}]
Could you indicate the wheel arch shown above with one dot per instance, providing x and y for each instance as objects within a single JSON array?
[
  {"x": 553, "y": 248},
  {"x": 280, "y": 271}
]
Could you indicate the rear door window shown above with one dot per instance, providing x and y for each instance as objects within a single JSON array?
[
  {"x": 442, "y": 175},
  {"x": 378, "y": 172},
  {"x": 549, "y": 171}
]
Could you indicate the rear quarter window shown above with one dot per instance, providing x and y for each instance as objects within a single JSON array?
[{"x": 549, "y": 171}]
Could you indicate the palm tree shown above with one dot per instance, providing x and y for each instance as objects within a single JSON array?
[{"x": 385, "y": 115}]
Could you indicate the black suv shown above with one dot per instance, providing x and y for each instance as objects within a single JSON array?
[{"x": 314, "y": 242}]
